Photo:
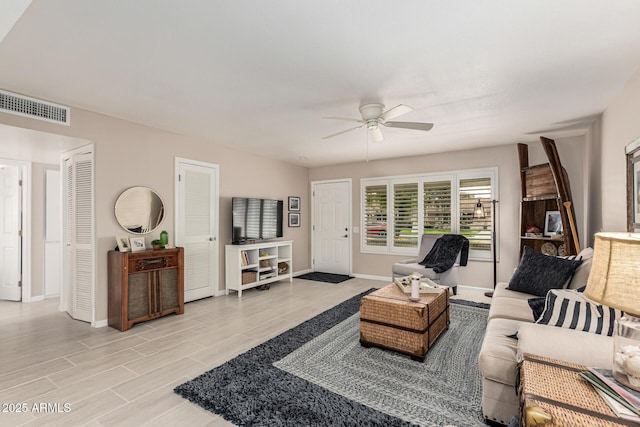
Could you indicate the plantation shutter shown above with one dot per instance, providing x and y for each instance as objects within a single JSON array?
[
  {"x": 405, "y": 215},
  {"x": 375, "y": 215},
  {"x": 437, "y": 207},
  {"x": 475, "y": 221}
]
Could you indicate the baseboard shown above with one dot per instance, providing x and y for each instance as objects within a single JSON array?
[
  {"x": 100, "y": 323},
  {"x": 300, "y": 273},
  {"x": 37, "y": 298},
  {"x": 370, "y": 277},
  {"x": 474, "y": 288}
]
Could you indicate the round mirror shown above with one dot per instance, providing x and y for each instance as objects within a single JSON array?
[{"x": 139, "y": 210}]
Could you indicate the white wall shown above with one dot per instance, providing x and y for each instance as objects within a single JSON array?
[{"x": 620, "y": 126}]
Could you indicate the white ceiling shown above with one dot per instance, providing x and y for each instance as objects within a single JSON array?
[{"x": 260, "y": 75}]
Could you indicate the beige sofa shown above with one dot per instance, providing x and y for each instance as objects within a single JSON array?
[{"x": 499, "y": 355}]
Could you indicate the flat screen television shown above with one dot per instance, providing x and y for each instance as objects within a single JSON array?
[{"x": 256, "y": 219}]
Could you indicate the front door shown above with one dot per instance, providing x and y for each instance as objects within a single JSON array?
[
  {"x": 197, "y": 226},
  {"x": 10, "y": 243},
  {"x": 332, "y": 227}
]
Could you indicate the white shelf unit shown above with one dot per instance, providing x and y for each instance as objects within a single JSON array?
[{"x": 251, "y": 265}]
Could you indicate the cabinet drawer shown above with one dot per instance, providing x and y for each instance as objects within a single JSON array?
[{"x": 137, "y": 265}]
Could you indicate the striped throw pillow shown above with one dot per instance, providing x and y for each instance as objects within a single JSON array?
[{"x": 567, "y": 308}]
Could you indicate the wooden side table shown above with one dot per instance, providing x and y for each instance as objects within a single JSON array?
[{"x": 554, "y": 388}]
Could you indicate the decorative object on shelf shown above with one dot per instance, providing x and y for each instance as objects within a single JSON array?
[
  {"x": 294, "y": 219},
  {"x": 552, "y": 223},
  {"x": 562, "y": 250},
  {"x": 164, "y": 238},
  {"x": 633, "y": 185},
  {"x": 123, "y": 243},
  {"x": 549, "y": 248},
  {"x": 137, "y": 244},
  {"x": 532, "y": 229},
  {"x": 283, "y": 267},
  {"x": 155, "y": 244},
  {"x": 415, "y": 286},
  {"x": 294, "y": 203},
  {"x": 139, "y": 210},
  {"x": 614, "y": 281}
]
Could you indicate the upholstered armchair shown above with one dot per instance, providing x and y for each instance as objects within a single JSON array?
[{"x": 408, "y": 266}]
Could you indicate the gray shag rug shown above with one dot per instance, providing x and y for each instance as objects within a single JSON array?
[{"x": 250, "y": 391}]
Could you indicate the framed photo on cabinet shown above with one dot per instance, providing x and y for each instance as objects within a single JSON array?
[
  {"x": 137, "y": 244},
  {"x": 123, "y": 243}
]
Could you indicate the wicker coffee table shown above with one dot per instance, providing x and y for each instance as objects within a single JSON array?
[{"x": 388, "y": 319}]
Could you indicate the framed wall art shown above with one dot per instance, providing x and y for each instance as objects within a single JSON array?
[
  {"x": 294, "y": 219},
  {"x": 633, "y": 185},
  {"x": 294, "y": 203}
]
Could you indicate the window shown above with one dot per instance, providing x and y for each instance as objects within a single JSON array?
[
  {"x": 375, "y": 215},
  {"x": 406, "y": 207},
  {"x": 405, "y": 215}
]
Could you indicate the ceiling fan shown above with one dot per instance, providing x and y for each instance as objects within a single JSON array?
[{"x": 373, "y": 115}]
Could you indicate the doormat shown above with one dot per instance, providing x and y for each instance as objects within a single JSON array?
[{"x": 324, "y": 277}]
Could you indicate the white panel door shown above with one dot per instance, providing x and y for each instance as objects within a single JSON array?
[
  {"x": 10, "y": 243},
  {"x": 332, "y": 227},
  {"x": 197, "y": 227}
]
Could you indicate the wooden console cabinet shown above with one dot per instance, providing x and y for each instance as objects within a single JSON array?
[{"x": 145, "y": 285}]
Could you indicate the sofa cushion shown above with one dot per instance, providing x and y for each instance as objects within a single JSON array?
[
  {"x": 497, "y": 359},
  {"x": 409, "y": 268},
  {"x": 510, "y": 308},
  {"x": 581, "y": 275},
  {"x": 567, "y": 308},
  {"x": 538, "y": 273},
  {"x": 501, "y": 291},
  {"x": 543, "y": 340}
]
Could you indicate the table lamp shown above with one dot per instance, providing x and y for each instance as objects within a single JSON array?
[{"x": 614, "y": 281}]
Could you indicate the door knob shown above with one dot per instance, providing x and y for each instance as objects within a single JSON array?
[{"x": 346, "y": 235}]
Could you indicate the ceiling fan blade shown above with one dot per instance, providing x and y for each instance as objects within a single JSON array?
[
  {"x": 396, "y": 111},
  {"x": 341, "y": 132},
  {"x": 376, "y": 134},
  {"x": 347, "y": 119},
  {"x": 409, "y": 125}
]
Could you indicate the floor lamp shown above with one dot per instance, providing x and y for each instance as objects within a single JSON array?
[{"x": 493, "y": 247}]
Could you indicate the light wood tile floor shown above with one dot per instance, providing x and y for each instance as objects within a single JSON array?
[{"x": 63, "y": 372}]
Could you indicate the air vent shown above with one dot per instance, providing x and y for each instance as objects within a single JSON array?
[{"x": 34, "y": 108}]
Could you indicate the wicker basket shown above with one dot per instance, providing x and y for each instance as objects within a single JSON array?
[
  {"x": 249, "y": 277},
  {"x": 555, "y": 388}
]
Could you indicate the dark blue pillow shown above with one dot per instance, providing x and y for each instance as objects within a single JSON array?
[{"x": 537, "y": 273}]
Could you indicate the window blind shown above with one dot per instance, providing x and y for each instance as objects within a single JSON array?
[
  {"x": 437, "y": 207},
  {"x": 475, "y": 221},
  {"x": 405, "y": 215},
  {"x": 375, "y": 215}
]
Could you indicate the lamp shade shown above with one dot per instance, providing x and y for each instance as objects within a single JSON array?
[{"x": 614, "y": 279}]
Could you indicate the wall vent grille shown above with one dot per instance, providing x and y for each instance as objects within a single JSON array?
[{"x": 34, "y": 108}]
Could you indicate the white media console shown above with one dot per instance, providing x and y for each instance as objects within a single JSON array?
[{"x": 257, "y": 264}]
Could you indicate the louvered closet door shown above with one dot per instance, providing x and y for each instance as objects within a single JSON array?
[
  {"x": 79, "y": 264},
  {"x": 198, "y": 227}
]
